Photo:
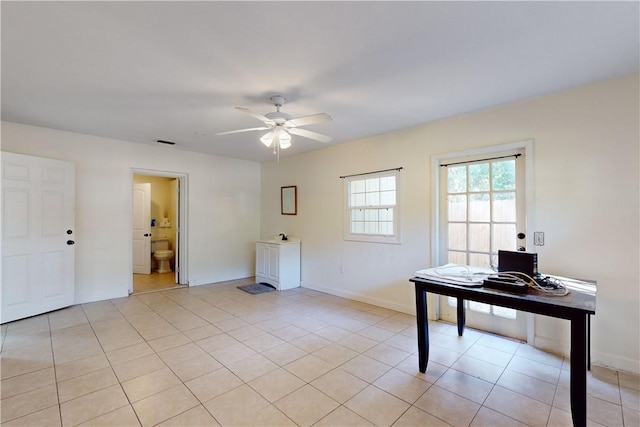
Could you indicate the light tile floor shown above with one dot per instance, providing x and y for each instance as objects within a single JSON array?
[
  {"x": 153, "y": 282},
  {"x": 214, "y": 355}
]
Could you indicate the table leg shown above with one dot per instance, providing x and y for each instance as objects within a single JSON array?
[
  {"x": 578, "y": 381},
  {"x": 462, "y": 316},
  {"x": 588, "y": 342},
  {"x": 423, "y": 328}
]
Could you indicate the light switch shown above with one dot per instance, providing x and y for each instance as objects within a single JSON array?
[{"x": 538, "y": 238}]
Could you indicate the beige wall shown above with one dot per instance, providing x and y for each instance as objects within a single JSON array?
[
  {"x": 586, "y": 200},
  {"x": 163, "y": 204}
]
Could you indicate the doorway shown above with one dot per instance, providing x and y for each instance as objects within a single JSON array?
[
  {"x": 483, "y": 210},
  {"x": 158, "y": 231},
  {"x": 483, "y": 203}
]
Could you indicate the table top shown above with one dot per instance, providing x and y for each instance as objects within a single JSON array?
[{"x": 581, "y": 297}]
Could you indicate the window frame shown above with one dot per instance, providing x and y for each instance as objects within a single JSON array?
[{"x": 394, "y": 238}]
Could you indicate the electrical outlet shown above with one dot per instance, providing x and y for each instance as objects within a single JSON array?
[{"x": 538, "y": 238}]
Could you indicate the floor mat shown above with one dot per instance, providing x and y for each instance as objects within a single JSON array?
[{"x": 257, "y": 288}]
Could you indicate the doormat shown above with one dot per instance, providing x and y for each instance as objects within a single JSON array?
[{"x": 257, "y": 288}]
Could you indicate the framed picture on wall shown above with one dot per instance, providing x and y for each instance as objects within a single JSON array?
[{"x": 289, "y": 200}]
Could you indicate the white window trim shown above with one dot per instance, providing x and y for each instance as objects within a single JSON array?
[{"x": 395, "y": 238}]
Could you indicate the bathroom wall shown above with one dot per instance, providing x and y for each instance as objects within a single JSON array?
[{"x": 163, "y": 204}]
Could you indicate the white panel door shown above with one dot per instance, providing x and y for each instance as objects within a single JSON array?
[
  {"x": 38, "y": 252},
  {"x": 483, "y": 210},
  {"x": 142, "y": 228}
]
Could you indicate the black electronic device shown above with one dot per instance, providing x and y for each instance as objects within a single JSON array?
[
  {"x": 505, "y": 283},
  {"x": 521, "y": 262}
]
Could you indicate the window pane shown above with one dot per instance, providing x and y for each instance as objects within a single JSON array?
[
  {"x": 357, "y": 199},
  {"x": 509, "y": 313},
  {"x": 371, "y": 215},
  {"x": 458, "y": 257},
  {"x": 479, "y": 177},
  {"x": 357, "y": 227},
  {"x": 372, "y": 184},
  {"x": 479, "y": 209},
  {"x": 458, "y": 236},
  {"x": 388, "y": 197},
  {"x": 372, "y": 199},
  {"x": 451, "y": 301},
  {"x": 504, "y": 206},
  {"x": 387, "y": 183},
  {"x": 479, "y": 237},
  {"x": 371, "y": 227},
  {"x": 479, "y": 260},
  {"x": 357, "y": 186},
  {"x": 457, "y": 209},
  {"x": 386, "y": 228},
  {"x": 386, "y": 214},
  {"x": 504, "y": 237},
  {"x": 504, "y": 175},
  {"x": 357, "y": 215},
  {"x": 457, "y": 179},
  {"x": 481, "y": 307}
]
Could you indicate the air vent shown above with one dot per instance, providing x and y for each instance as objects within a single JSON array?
[{"x": 162, "y": 141}]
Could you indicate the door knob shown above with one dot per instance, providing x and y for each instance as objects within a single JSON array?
[
  {"x": 69, "y": 232},
  {"x": 521, "y": 236},
  {"x": 147, "y": 235},
  {"x": 70, "y": 242}
]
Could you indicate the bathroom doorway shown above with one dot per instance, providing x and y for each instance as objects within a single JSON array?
[{"x": 158, "y": 231}]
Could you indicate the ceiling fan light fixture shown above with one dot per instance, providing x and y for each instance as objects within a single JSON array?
[
  {"x": 267, "y": 139},
  {"x": 285, "y": 139}
]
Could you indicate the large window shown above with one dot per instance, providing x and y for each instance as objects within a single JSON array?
[{"x": 372, "y": 212}]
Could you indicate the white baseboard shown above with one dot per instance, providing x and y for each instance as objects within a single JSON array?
[
  {"x": 615, "y": 362},
  {"x": 552, "y": 346},
  {"x": 411, "y": 309},
  {"x": 597, "y": 358}
]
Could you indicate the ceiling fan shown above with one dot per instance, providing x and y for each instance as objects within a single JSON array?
[{"x": 281, "y": 126}]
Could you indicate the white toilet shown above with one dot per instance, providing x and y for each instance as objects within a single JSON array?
[{"x": 162, "y": 254}]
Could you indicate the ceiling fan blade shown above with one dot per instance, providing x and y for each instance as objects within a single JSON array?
[
  {"x": 242, "y": 130},
  {"x": 309, "y": 134},
  {"x": 260, "y": 117},
  {"x": 309, "y": 120}
]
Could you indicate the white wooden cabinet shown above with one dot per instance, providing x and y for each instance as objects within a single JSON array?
[{"x": 278, "y": 263}]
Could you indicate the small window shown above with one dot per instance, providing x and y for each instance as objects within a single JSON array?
[{"x": 372, "y": 213}]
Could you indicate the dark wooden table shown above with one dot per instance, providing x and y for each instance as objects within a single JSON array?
[{"x": 576, "y": 307}]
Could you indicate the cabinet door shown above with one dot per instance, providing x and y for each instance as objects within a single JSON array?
[
  {"x": 262, "y": 257},
  {"x": 274, "y": 263}
]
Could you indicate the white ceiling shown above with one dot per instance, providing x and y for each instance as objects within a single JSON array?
[{"x": 141, "y": 71}]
